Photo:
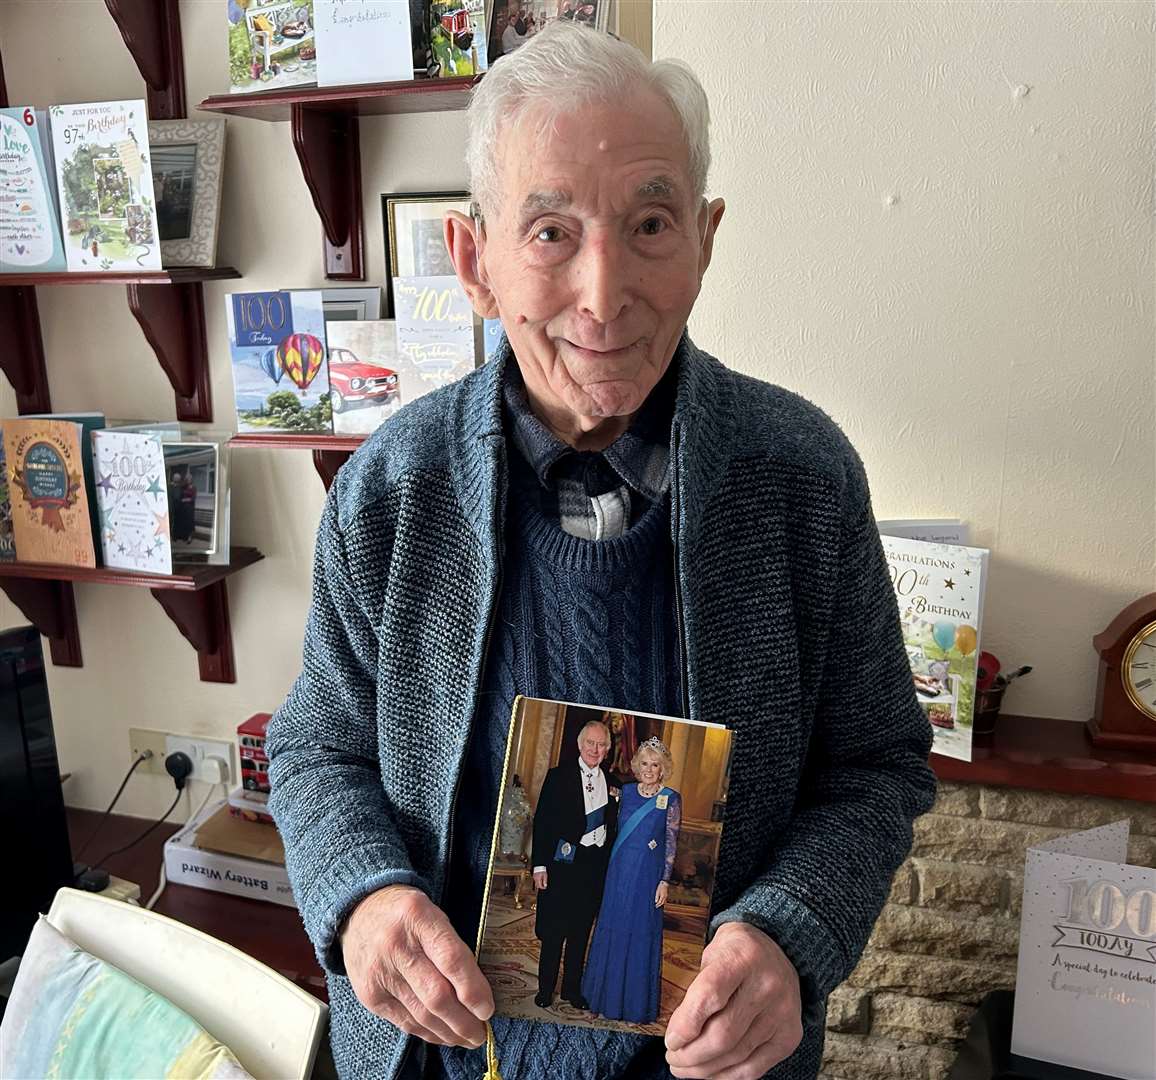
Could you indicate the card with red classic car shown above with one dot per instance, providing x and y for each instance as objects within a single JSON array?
[{"x": 370, "y": 378}]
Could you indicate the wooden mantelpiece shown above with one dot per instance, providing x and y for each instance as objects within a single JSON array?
[{"x": 1052, "y": 755}]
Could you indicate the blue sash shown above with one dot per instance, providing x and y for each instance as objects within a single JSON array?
[
  {"x": 635, "y": 819},
  {"x": 564, "y": 852}
]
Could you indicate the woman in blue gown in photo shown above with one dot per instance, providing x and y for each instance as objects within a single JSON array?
[{"x": 623, "y": 973}]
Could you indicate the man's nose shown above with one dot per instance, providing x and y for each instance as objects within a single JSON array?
[{"x": 602, "y": 276}]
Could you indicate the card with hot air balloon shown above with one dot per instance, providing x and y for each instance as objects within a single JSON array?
[
  {"x": 939, "y": 589},
  {"x": 280, "y": 371}
]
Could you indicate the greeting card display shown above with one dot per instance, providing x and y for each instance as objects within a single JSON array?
[
  {"x": 50, "y": 519},
  {"x": 1086, "y": 981},
  {"x": 280, "y": 375},
  {"x": 106, "y": 186},
  {"x": 457, "y": 37},
  {"x": 271, "y": 45},
  {"x": 435, "y": 327},
  {"x": 939, "y": 589},
  {"x": 363, "y": 41},
  {"x": 7, "y": 540},
  {"x": 133, "y": 502},
  {"x": 30, "y": 238},
  {"x": 933, "y": 530},
  {"x": 365, "y": 383}
]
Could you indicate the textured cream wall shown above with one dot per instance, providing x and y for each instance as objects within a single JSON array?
[
  {"x": 986, "y": 339},
  {"x": 939, "y": 229}
]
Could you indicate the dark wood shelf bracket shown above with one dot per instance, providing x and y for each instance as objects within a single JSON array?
[
  {"x": 329, "y": 150},
  {"x": 327, "y": 462},
  {"x": 23, "y": 357},
  {"x": 51, "y": 607},
  {"x": 173, "y": 320},
  {"x": 152, "y": 31},
  {"x": 203, "y": 618}
]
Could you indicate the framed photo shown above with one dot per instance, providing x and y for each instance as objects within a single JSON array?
[
  {"x": 187, "y": 162},
  {"x": 414, "y": 244},
  {"x": 351, "y": 305}
]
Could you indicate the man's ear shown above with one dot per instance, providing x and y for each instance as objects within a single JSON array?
[
  {"x": 464, "y": 241},
  {"x": 713, "y": 212}
]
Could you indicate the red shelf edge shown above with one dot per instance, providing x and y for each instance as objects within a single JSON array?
[
  {"x": 174, "y": 275},
  {"x": 199, "y": 576},
  {"x": 337, "y": 96},
  {"x": 1044, "y": 754},
  {"x": 299, "y": 442}
]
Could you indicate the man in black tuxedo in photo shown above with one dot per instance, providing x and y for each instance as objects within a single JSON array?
[{"x": 575, "y": 824}]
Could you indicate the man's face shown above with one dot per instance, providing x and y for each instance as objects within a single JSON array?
[
  {"x": 595, "y": 254},
  {"x": 593, "y": 744}
]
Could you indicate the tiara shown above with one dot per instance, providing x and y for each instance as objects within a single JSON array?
[{"x": 655, "y": 743}]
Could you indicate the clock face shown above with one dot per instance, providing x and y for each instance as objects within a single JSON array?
[{"x": 1139, "y": 671}]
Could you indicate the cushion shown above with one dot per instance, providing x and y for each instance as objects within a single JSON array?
[{"x": 72, "y": 1015}]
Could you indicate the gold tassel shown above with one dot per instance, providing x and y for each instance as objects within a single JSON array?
[{"x": 491, "y": 1056}]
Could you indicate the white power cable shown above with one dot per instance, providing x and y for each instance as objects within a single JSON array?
[{"x": 162, "y": 881}]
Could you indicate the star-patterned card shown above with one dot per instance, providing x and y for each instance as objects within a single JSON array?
[
  {"x": 133, "y": 500},
  {"x": 939, "y": 588}
]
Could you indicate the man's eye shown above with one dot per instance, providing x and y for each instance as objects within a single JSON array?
[
  {"x": 549, "y": 233},
  {"x": 652, "y": 226}
]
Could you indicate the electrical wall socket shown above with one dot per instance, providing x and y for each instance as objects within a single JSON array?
[{"x": 201, "y": 752}]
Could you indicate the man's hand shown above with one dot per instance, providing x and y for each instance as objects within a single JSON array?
[
  {"x": 540, "y": 880},
  {"x": 743, "y": 1012},
  {"x": 406, "y": 964}
]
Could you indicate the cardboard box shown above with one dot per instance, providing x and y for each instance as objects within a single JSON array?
[
  {"x": 193, "y": 856},
  {"x": 250, "y": 805}
]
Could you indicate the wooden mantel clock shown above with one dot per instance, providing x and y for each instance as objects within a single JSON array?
[{"x": 1125, "y": 716}]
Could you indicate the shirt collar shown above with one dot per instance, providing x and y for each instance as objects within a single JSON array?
[
  {"x": 640, "y": 455},
  {"x": 586, "y": 770}
]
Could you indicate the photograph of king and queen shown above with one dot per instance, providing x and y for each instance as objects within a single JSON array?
[{"x": 603, "y": 863}]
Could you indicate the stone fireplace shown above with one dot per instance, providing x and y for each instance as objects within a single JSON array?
[{"x": 949, "y": 932}]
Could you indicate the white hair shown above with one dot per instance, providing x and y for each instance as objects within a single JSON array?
[
  {"x": 594, "y": 723},
  {"x": 564, "y": 66}
]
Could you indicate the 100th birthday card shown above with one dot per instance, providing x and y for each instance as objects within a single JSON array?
[{"x": 1086, "y": 982}]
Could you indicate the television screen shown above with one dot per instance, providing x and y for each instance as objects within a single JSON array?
[{"x": 35, "y": 846}]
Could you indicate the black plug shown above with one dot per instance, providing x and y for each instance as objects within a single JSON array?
[{"x": 180, "y": 767}]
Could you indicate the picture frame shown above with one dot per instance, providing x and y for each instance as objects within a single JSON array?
[
  {"x": 412, "y": 233},
  {"x": 351, "y": 304},
  {"x": 186, "y": 158}
]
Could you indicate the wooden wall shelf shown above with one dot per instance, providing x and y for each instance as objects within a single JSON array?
[
  {"x": 173, "y": 321},
  {"x": 169, "y": 305},
  {"x": 1052, "y": 755},
  {"x": 347, "y": 443},
  {"x": 152, "y": 31},
  {"x": 194, "y": 596},
  {"x": 325, "y": 130},
  {"x": 330, "y": 452},
  {"x": 173, "y": 275},
  {"x": 370, "y": 99}
]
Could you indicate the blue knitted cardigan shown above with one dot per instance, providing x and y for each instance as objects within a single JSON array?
[{"x": 790, "y": 638}]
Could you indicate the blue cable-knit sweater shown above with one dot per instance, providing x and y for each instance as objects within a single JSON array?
[
  {"x": 579, "y": 620},
  {"x": 788, "y": 632}
]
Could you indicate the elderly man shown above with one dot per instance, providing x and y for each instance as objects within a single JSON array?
[{"x": 606, "y": 514}]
